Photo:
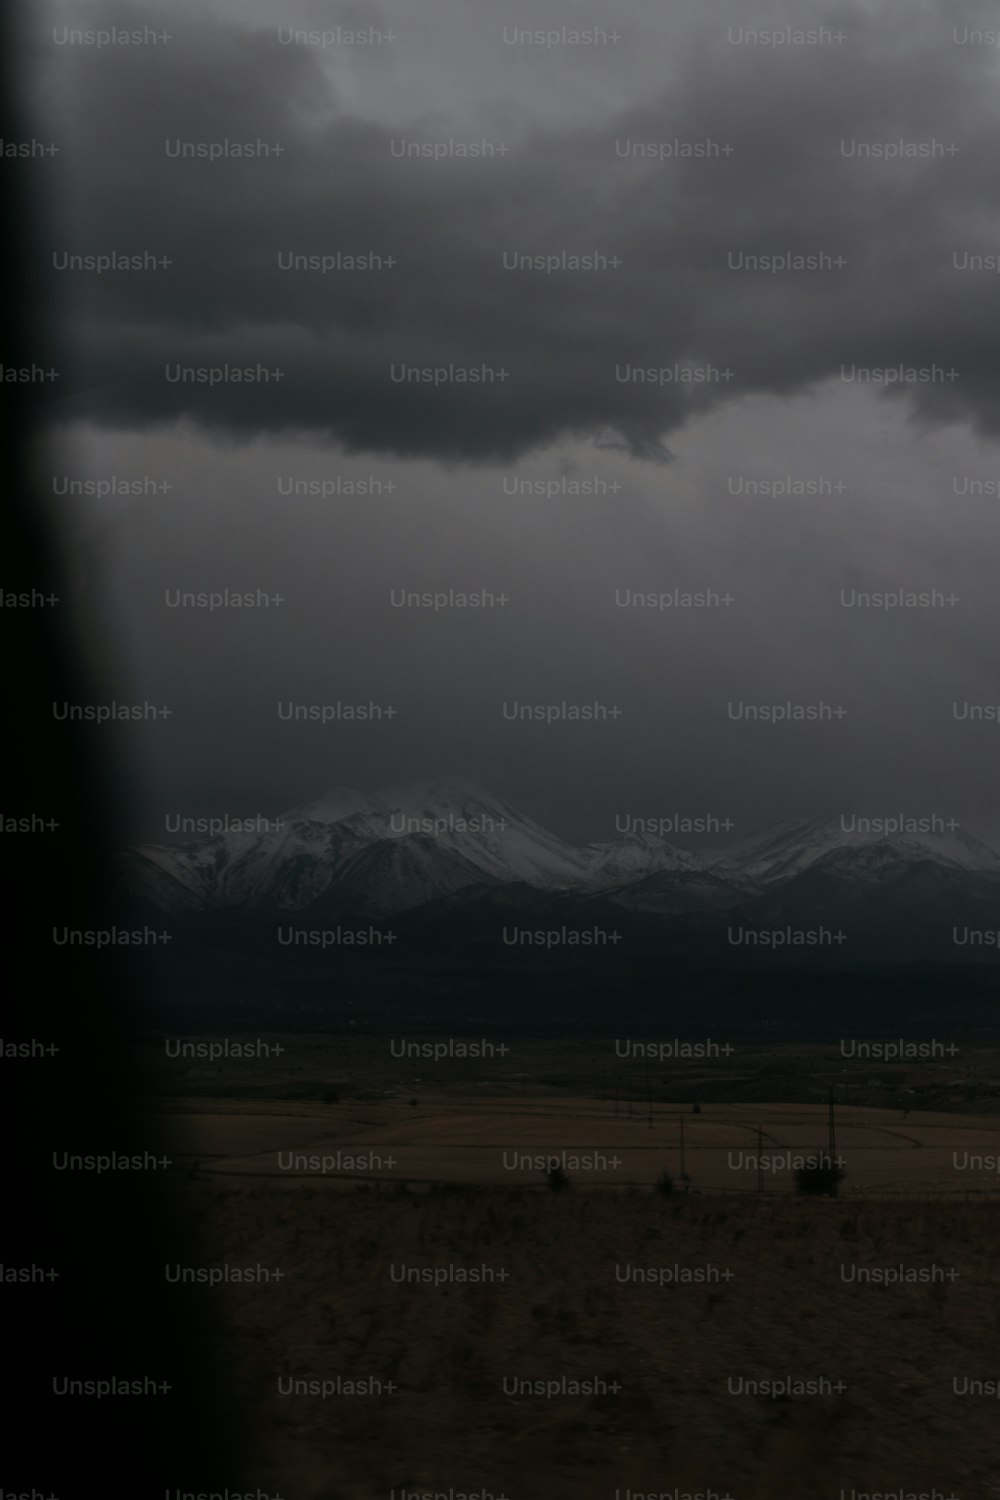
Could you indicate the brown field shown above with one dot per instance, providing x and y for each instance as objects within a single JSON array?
[
  {"x": 776, "y": 1305},
  {"x": 476, "y": 1142},
  {"x": 905, "y": 1128},
  {"x": 755, "y": 1279}
]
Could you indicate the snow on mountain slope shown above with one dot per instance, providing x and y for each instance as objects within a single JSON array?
[
  {"x": 500, "y": 840},
  {"x": 616, "y": 861},
  {"x": 291, "y": 866},
  {"x": 451, "y": 834},
  {"x": 334, "y": 805},
  {"x": 396, "y": 874},
  {"x": 285, "y": 866},
  {"x": 790, "y": 848},
  {"x": 428, "y": 840},
  {"x": 167, "y": 877}
]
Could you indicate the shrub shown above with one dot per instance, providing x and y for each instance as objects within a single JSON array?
[
  {"x": 557, "y": 1178},
  {"x": 819, "y": 1178}
]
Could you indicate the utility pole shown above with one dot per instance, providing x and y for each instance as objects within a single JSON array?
[{"x": 833, "y": 1133}]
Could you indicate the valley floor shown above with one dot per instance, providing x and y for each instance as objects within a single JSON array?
[{"x": 661, "y": 1400}]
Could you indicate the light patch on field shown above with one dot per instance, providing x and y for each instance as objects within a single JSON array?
[{"x": 473, "y": 1143}]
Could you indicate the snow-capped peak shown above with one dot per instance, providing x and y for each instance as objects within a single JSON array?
[
  {"x": 432, "y": 838},
  {"x": 334, "y": 805},
  {"x": 440, "y": 795},
  {"x": 788, "y": 848},
  {"x": 494, "y": 835}
]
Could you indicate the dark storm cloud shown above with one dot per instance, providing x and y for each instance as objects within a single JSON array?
[{"x": 787, "y": 186}]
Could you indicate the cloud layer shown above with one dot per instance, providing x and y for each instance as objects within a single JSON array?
[{"x": 682, "y": 227}]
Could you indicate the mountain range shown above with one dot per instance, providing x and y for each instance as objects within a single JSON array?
[{"x": 450, "y": 846}]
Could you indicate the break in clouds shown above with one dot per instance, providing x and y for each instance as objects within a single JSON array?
[{"x": 780, "y": 139}]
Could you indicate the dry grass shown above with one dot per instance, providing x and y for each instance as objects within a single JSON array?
[
  {"x": 465, "y": 1141},
  {"x": 561, "y": 1313},
  {"x": 450, "y": 1201}
]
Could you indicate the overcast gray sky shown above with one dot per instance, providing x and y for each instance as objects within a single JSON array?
[{"x": 793, "y": 167}]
